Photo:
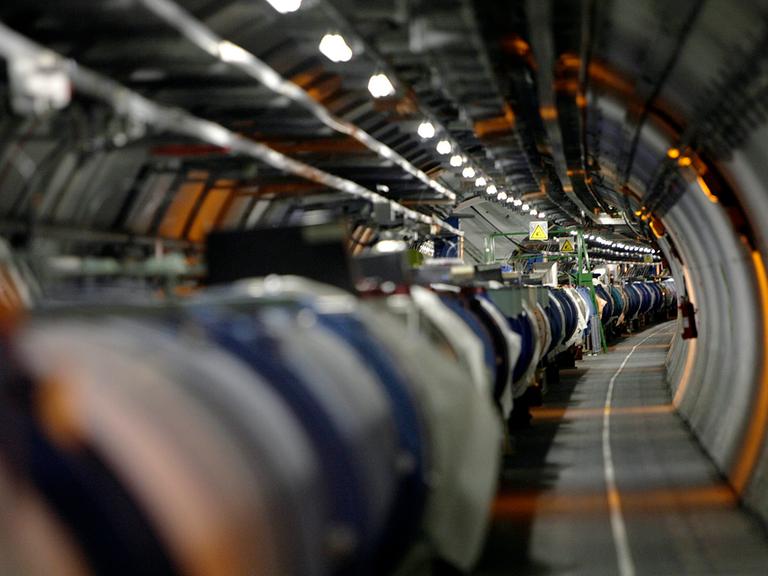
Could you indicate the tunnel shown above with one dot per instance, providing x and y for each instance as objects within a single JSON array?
[{"x": 494, "y": 272}]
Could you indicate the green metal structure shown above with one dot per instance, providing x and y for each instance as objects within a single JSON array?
[{"x": 583, "y": 267}]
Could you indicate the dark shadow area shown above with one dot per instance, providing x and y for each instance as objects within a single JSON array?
[{"x": 525, "y": 470}]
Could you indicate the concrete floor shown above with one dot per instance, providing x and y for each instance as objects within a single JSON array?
[{"x": 663, "y": 509}]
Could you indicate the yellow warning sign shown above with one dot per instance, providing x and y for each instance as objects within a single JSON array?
[
  {"x": 566, "y": 245},
  {"x": 538, "y": 230}
]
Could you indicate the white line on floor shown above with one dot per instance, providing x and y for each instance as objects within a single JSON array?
[{"x": 618, "y": 528}]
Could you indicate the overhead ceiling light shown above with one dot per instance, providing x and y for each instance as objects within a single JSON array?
[
  {"x": 526, "y": 207},
  {"x": 426, "y": 130},
  {"x": 444, "y": 147},
  {"x": 389, "y": 246},
  {"x": 468, "y": 172},
  {"x": 502, "y": 196},
  {"x": 510, "y": 200},
  {"x": 480, "y": 182},
  {"x": 456, "y": 161},
  {"x": 285, "y": 6},
  {"x": 335, "y": 48},
  {"x": 541, "y": 215},
  {"x": 518, "y": 202},
  {"x": 491, "y": 190},
  {"x": 380, "y": 87},
  {"x": 534, "y": 213},
  {"x": 382, "y": 187}
]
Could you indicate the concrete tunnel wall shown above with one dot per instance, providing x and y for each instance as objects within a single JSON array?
[{"x": 718, "y": 381}]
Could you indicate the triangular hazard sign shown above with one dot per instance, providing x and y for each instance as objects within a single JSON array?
[
  {"x": 567, "y": 246},
  {"x": 538, "y": 233}
]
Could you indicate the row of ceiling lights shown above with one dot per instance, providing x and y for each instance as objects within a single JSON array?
[
  {"x": 614, "y": 261},
  {"x": 508, "y": 199},
  {"x": 336, "y": 49},
  {"x": 622, "y": 253},
  {"x": 620, "y": 245},
  {"x": 380, "y": 86}
]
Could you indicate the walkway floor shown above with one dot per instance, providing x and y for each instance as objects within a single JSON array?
[{"x": 625, "y": 491}]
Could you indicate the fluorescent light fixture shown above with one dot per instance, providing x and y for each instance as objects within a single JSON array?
[
  {"x": 502, "y": 196},
  {"x": 285, "y": 6},
  {"x": 510, "y": 200},
  {"x": 541, "y": 215},
  {"x": 456, "y": 161},
  {"x": 443, "y": 147},
  {"x": 389, "y": 246},
  {"x": 380, "y": 87},
  {"x": 491, "y": 190},
  {"x": 426, "y": 130},
  {"x": 335, "y": 48},
  {"x": 480, "y": 182},
  {"x": 534, "y": 213},
  {"x": 468, "y": 172},
  {"x": 526, "y": 207},
  {"x": 518, "y": 202}
]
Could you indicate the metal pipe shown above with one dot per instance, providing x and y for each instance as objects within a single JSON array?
[{"x": 133, "y": 105}]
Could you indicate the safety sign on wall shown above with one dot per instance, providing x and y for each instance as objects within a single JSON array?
[
  {"x": 538, "y": 230},
  {"x": 566, "y": 245}
]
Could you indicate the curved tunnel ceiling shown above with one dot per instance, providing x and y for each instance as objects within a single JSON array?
[{"x": 582, "y": 109}]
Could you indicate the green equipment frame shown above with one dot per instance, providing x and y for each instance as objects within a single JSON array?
[{"x": 583, "y": 274}]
